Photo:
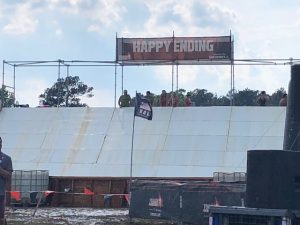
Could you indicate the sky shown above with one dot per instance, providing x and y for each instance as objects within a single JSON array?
[{"x": 87, "y": 29}]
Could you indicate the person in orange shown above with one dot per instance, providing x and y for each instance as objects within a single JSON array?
[
  {"x": 163, "y": 99},
  {"x": 173, "y": 100},
  {"x": 283, "y": 100},
  {"x": 6, "y": 170},
  {"x": 187, "y": 100}
]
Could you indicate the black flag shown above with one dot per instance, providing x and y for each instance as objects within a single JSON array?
[{"x": 142, "y": 107}]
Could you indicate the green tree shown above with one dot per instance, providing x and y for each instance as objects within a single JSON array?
[
  {"x": 202, "y": 97},
  {"x": 222, "y": 101},
  {"x": 180, "y": 93},
  {"x": 245, "y": 97},
  {"x": 66, "y": 92},
  {"x": 7, "y": 98},
  {"x": 276, "y": 96},
  {"x": 156, "y": 100}
]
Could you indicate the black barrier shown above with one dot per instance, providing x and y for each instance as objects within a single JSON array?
[
  {"x": 292, "y": 121},
  {"x": 181, "y": 201},
  {"x": 273, "y": 179}
]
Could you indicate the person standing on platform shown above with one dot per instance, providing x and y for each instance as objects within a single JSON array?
[
  {"x": 149, "y": 97},
  {"x": 187, "y": 100},
  {"x": 163, "y": 99},
  {"x": 173, "y": 100},
  {"x": 263, "y": 99},
  {"x": 124, "y": 100},
  {"x": 6, "y": 170},
  {"x": 283, "y": 100}
]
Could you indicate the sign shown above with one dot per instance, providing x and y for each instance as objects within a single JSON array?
[{"x": 139, "y": 50}]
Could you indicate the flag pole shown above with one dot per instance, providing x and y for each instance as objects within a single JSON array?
[
  {"x": 143, "y": 109},
  {"x": 131, "y": 159},
  {"x": 132, "y": 140},
  {"x": 131, "y": 154}
]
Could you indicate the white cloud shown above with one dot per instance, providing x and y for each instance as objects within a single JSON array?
[
  {"x": 268, "y": 78},
  {"x": 1, "y": 10},
  {"x": 23, "y": 17},
  {"x": 22, "y": 22},
  {"x": 28, "y": 92},
  {"x": 107, "y": 12},
  {"x": 185, "y": 18},
  {"x": 75, "y": 2},
  {"x": 101, "y": 98},
  {"x": 94, "y": 28},
  {"x": 59, "y": 33},
  {"x": 186, "y": 74},
  {"x": 101, "y": 13},
  {"x": 215, "y": 79},
  {"x": 52, "y": 4}
]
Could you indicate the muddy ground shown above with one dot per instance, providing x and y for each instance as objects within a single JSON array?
[{"x": 76, "y": 216}]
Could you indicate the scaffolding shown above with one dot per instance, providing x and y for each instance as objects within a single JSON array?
[{"x": 121, "y": 62}]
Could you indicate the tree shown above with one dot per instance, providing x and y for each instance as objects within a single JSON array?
[
  {"x": 7, "y": 98},
  {"x": 66, "y": 92},
  {"x": 223, "y": 101},
  {"x": 245, "y": 97},
  {"x": 180, "y": 93},
  {"x": 202, "y": 97},
  {"x": 276, "y": 96}
]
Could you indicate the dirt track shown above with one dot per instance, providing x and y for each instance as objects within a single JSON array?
[{"x": 76, "y": 216}]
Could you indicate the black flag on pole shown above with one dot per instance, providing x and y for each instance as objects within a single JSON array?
[{"x": 142, "y": 107}]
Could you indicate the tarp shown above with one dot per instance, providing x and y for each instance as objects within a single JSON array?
[{"x": 178, "y": 142}]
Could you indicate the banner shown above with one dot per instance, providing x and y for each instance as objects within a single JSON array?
[
  {"x": 88, "y": 191},
  {"x": 16, "y": 195},
  {"x": 208, "y": 49},
  {"x": 142, "y": 107}
]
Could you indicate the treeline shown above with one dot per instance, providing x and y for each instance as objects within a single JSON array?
[
  {"x": 202, "y": 97},
  {"x": 66, "y": 92}
]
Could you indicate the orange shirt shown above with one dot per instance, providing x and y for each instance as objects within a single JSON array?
[
  {"x": 163, "y": 100},
  {"x": 175, "y": 101},
  {"x": 187, "y": 101}
]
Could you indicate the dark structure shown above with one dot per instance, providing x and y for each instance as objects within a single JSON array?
[
  {"x": 65, "y": 187},
  {"x": 273, "y": 176},
  {"x": 181, "y": 201},
  {"x": 273, "y": 179},
  {"x": 292, "y": 121},
  {"x": 224, "y": 215}
]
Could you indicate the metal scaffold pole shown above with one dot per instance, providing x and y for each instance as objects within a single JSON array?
[
  {"x": 14, "y": 87},
  {"x": 177, "y": 77},
  {"x": 115, "y": 98},
  {"x": 2, "y": 91}
]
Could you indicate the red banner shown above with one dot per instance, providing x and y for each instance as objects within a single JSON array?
[
  {"x": 88, "y": 191},
  {"x": 197, "y": 49},
  {"x": 16, "y": 195},
  {"x": 127, "y": 197},
  {"x": 48, "y": 193}
]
